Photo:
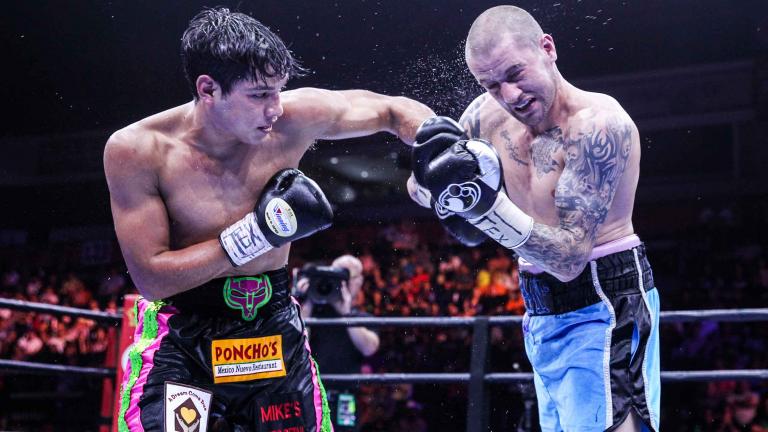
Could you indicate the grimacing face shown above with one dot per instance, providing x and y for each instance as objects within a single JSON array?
[
  {"x": 250, "y": 109},
  {"x": 518, "y": 75}
]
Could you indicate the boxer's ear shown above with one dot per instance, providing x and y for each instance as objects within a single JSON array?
[
  {"x": 206, "y": 88},
  {"x": 547, "y": 44}
]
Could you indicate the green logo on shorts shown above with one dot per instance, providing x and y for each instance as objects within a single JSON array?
[{"x": 247, "y": 294}]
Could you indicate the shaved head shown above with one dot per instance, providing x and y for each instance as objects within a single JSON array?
[
  {"x": 500, "y": 20},
  {"x": 355, "y": 268}
]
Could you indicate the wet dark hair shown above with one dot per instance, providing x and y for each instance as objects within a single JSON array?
[{"x": 232, "y": 46}]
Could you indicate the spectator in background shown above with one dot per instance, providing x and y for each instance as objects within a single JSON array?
[
  {"x": 28, "y": 345},
  {"x": 340, "y": 349}
]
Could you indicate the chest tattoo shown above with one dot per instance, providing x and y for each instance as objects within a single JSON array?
[
  {"x": 543, "y": 150},
  {"x": 513, "y": 149}
]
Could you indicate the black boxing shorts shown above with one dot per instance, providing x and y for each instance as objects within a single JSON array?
[{"x": 230, "y": 355}]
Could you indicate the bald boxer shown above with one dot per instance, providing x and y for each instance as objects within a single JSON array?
[
  {"x": 206, "y": 199},
  {"x": 550, "y": 171}
]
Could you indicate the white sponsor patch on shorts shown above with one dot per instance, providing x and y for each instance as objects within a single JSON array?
[
  {"x": 280, "y": 218},
  {"x": 186, "y": 408}
]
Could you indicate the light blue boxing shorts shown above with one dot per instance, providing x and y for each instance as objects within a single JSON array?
[{"x": 593, "y": 343}]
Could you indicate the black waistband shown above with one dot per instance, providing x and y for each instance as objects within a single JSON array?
[
  {"x": 242, "y": 297},
  {"x": 617, "y": 274}
]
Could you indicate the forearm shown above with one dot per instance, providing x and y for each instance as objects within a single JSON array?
[
  {"x": 171, "y": 272},
  {"x": 559, "y": 252},
  {"x": 366, "y": 341},
  {"x": 175, "y": 271},
  {"x": 405, "y": 117}
]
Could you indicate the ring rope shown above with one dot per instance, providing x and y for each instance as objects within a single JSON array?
[
  {"x": 726, "y": 315},
  {"x": 15, "y": 366},
  {"x": 28, "y": 306},
  {"x": 723, "y": 315}
]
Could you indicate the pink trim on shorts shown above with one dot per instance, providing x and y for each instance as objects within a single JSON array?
[
  {"x": 133, "y": 414},
  {"x": 315, "y": 384},
  {"x": 605, "y": 249}
]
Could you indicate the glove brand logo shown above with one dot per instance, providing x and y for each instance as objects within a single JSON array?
[
  {"x": 186, "y": 408},
  {"x": 280, "y": 218},
  {"x": 460, "y": 198},
  {"x": 441, "y": 211}
]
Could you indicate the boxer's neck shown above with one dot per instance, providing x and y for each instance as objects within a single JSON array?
[
  {"x": 202, "y": 133},
  {"x": 561, "y": 109}
]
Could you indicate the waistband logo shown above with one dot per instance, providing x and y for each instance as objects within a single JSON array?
[{"x": 247, "y": 294}]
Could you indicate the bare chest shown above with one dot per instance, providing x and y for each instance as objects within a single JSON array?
[
  {"x": 203, "y": 195},
  {"x": 532, "y": 168}
]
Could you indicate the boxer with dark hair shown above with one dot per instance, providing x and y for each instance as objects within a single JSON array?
[
  {"x": 206, "y": 199},
  {"x": 550, "y": 171}
]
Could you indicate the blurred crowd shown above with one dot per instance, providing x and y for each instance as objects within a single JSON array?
[{"x": 415, "y": 269}]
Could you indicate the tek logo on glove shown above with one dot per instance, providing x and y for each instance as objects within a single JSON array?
[
  {"x": 459, "y": 198},
  {"x": 289, "y": 196}
]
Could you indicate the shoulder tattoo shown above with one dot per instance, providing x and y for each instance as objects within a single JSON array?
[
  {"x": 594, "y": 164},
  {"x": 470, "y": 120},
  {"x": 595, "y": 161}
]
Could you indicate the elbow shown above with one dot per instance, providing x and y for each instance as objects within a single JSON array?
[
  {"x": 148, "y": 288},
  {"x": 150, "y": 295},
  {"x": 372, "y": 346},
  {"x": 149, "y": 292},
  {"x": 567, "y": 276},
  {"x": 370, "y": 350},
  {"x": 573, "y": 265}
]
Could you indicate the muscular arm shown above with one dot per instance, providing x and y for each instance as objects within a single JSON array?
[
  {"x": 141, "y": 225},
  {"x": 353, "y": 113},
  {"x": 595, "y": 160}
]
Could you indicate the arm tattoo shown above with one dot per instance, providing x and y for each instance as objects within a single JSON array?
[
  {"x": 594, "y": 164},
  {"x": 513, "y": 149},
  {"x": 543, "y": 149},
  {"x": 470, "y": 120}
]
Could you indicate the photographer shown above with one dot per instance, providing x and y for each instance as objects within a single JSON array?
[{"x": 332, "y": 292}]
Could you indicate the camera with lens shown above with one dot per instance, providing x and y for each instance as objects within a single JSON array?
[{"x": 324, "y": 283}]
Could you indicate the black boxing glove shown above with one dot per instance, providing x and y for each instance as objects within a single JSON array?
[
  {"x": 433, "y": 136},
  {"x": 458, "y": 227},
  {"x": 291, "y": 206},
  {"x": 467, "y": 179}
]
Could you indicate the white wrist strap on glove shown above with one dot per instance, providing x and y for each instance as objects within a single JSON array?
[
  {"x": 243, "y": 240},
  {"x": 422, "y": 196},
  {"x": 505, "y": 223}
]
